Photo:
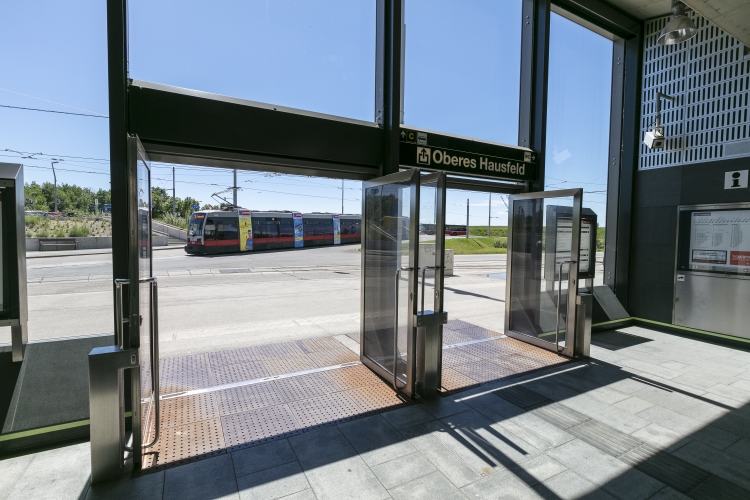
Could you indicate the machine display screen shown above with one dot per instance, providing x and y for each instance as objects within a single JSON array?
[
  {"x": 563, "y": 243},
  {"x": 719, "y": 241}
]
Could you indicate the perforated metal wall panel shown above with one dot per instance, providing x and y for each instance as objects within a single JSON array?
[{"x": 709, "y": 76}]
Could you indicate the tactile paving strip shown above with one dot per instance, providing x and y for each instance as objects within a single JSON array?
[
  {"x": 319, "y": 344},
  {"x": 233, "y": 356},
  {"x": 182, "y": 411},
  {"x": 483, "y": 371},
  {"x": 452, "y": 381},
  {"x": 188, "y": 363},
  {"x": 376, "y": 397},
  {"x": 288, "y": 364},
  {"x": 278, "y": 350},
  {"x": 456, "y": 356},
  {"x": 306, "y": 386},
  {"x": 186, "y": 443},
  {"x": 248, "y": 398},
  {"x": 255, "y": 427},
  {"x": 324, "y": 410},
  {"x": 353, "y": 376},
  {"x": 239, "y": 372},
  {"x": 171, "y": 382},
  {"x": 333, "y": 357}
]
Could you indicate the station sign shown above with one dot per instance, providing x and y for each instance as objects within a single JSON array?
[{"x": 458, "y": 155}]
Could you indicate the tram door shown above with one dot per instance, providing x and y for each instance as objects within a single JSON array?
[
  {"x": 392, "y": 298},
  {"x": 142, "y": 322},
  {"x": 542, "y": 268}
]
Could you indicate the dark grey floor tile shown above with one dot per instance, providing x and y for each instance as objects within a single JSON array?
[
  {"x": 668, "y": 493},
  {"x": 441, "y": 457},
  {"x": 211, "y": 478},
  {"x": 59, "y": 473},
  {"x": 500, "y": 485},
  {"x": 605, "y": 471},
  {"x": 717, "y": 488},
  {"x": 320, "y": 447},
  {"x": 740, "y": 449},
  {"x": 301, "y": 495},
  {"x": 274, "y": 483},
  {"x": 716, "y": 461},
  {"x": 262, "y": 457},
  {"x": 376, "y": 440},
  {"x": 735, "y": 423},
  {"x": 568, "y": 484},
  {"x": 402, "y": 470},
  {"x": 146, "y": 487},
  {"x": 408, "y": 416},
  {"x": 444, "y": 407},
  {"x": 427, "y": 487},
  {"x": 344, "y": 479},
  {"x": 12, "y": 469},
  {"x": 718, "y": 438}
]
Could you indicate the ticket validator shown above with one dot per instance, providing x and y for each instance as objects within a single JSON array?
[{"x": 14, "y": 310}]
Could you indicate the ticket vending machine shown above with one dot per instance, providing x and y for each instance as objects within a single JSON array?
[
  {"x": 712, "y": 271},
  {"x": 13, "y": 299}
]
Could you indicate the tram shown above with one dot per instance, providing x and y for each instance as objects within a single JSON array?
[
  {"x": 450, "y": 229},
  {"x": 240, "y": 230}
]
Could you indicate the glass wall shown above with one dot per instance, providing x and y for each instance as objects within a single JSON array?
[
  {"x": 317, "y": 56},
  {"x": 578, "y": 117},
  {"x": 463, "y": 67}
]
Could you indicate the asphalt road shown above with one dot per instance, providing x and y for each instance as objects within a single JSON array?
[{"x": 220, "y": 302}]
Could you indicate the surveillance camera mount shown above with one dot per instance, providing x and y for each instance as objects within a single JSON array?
[{"x": 659, "y": 97}]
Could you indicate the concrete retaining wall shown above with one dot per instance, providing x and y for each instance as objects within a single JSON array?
[
  {"x": 94, "y": 242},
  {"x": 173, "y": 232}
]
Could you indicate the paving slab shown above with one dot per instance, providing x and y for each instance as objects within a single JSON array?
[
  {"x": 211, "y": 478},
  {"x": 376, "y": 440},
  {"x": 402, "y": 470},
  {"x": 265, "y": 456},
  {"x": 274, "y": 483},
  {"x": 428, "y": 487}
]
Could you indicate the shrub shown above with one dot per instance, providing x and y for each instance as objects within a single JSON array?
[
  {"x": 78, "y": 231},
  {"x": 500, "y": 244},
  {"x": 59, "y": 232},
  {"x": 42, "y": 233}
]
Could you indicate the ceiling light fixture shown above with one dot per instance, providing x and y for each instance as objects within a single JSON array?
[{"x": 679, "y": 28}]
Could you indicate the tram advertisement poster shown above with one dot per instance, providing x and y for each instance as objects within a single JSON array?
[
  {"x": 336, "y": 230},
  {"x": 299, "y": 240},
  {"x": 246, "y": 230}
]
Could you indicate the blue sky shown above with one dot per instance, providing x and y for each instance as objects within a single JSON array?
[{"x": 462, "y": 60}]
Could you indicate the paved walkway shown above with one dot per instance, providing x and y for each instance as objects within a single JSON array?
[{"x": 651, "y": 415}]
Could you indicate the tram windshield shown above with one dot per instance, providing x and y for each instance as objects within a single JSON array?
[{"x": 195, "y": 226}]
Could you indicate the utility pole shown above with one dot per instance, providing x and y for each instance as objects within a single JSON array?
[
  {"x": 174, "y": 199},
  {"x": 54, "y": 175},
  {"x": 467, "y": 217},
  {"x": 342, "y": 196},
  {"x": 234, "y": 190},
  {"x": 489, "y": 217}
]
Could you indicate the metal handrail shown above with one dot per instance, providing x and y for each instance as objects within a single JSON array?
[
  {"x": 559, "y": 299},
  {"x": 153, "y": 347}
]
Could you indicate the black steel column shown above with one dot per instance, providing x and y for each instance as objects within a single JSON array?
[
  {"x": 532, "y": 120},
  {"x": 117, "y": 65},
  {"x": 629, "y": 163},
  {"x": 389, "y": 79}
]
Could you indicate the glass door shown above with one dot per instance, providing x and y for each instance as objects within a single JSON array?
[
  {"x": 142, "y": 320},
  {"x": 544, "y": 232},
  {"x": 389, "y": 287}
]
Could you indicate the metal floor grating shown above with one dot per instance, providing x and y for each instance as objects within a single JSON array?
[
  {"x": 203, "y": 425},
  {"x": 186, "y": 443}
]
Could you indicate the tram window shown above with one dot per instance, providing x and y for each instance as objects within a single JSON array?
[
  {"x": 209, "y": 230},
  {"x": 195, "y": 227},
  {"x": 227, "y": 230},
  {"x": 286, "y": 227}
]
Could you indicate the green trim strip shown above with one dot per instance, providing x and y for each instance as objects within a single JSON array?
[
  {"x": 612, "y": 322},
  {"x": 45, "y": 430},
  {"x": 694, "y": 330}
]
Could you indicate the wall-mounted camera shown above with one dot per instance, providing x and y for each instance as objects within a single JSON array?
[{"x": 654, "y": 138}]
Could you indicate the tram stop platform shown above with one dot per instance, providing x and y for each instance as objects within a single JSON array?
[{"x": 649, "y": 415}]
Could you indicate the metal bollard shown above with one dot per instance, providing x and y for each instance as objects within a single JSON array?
[
  {"x": 107, "y": 409},
  {"x": 584, "y": 308}
]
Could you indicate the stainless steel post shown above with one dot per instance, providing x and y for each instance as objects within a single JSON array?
[
  {"x": 584, "y": 307},
  {"x": 559, "y": 299},
  {"x": 395, "y": 332},
  {"x": 107, "y": 409}
]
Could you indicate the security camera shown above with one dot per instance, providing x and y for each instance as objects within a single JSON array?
[{"x": 654, "y": 139}]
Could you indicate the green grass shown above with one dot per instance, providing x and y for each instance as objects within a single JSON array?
[
  {"x": 474, "y": 246},
  {"x": 495, "y": 231}
]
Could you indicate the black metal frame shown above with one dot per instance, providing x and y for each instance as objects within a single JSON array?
[{"x": 180, "y": 125}]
